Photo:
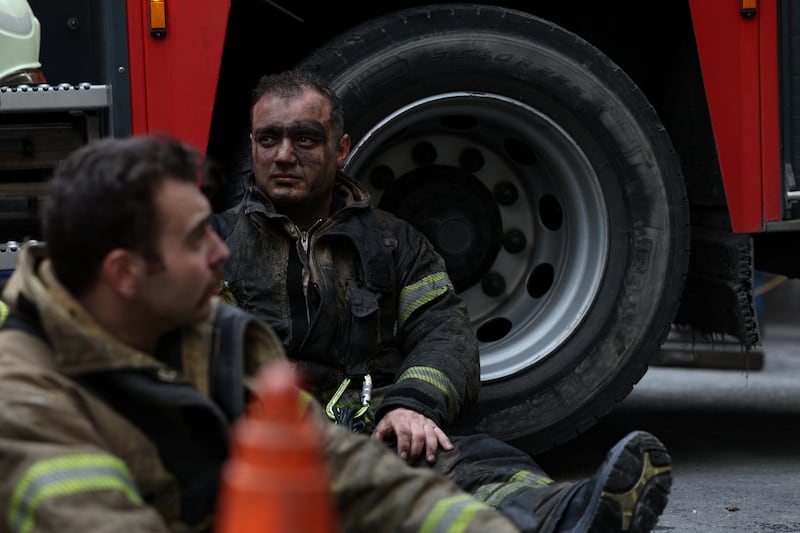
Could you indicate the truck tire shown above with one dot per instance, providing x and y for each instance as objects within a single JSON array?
[{"x": 543, "y": 176}]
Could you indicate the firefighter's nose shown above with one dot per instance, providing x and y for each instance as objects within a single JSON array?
[
  {"x": 220, "y": 251},
  {"x": 286, "y": 150}
]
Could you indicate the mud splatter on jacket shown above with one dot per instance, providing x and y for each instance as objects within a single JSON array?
[
  {"x": 98, "y": 437},
  {"x": 377, "y": 297}
]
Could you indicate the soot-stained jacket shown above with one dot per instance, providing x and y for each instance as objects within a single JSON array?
[{"x": 362, "y": 292}]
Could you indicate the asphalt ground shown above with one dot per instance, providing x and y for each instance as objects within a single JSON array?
[{"x": 733, "y": 434}]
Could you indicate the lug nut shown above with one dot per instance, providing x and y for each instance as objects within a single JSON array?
[
  {"x": 506, "y": 193},
  {"x": 514, "y": 241},
  {"x": 493, "y": 284}
]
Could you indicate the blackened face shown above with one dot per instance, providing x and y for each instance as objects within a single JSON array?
[{"x": 296, "y": 153}]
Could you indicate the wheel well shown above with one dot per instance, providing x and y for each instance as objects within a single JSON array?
[{"x": 652, "y": 41}]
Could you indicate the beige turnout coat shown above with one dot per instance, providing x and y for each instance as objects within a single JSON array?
[{"x": 69, "y": 461}]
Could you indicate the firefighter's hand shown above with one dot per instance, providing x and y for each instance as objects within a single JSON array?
[{"x": 414, "y": 432}]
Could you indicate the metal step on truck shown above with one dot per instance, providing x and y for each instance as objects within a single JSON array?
[
  {"x": 41, "y": 120},
  {"x": 39, "y": 125}
]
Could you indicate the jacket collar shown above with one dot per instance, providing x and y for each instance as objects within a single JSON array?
[
  {"x": 80, "y": 343},
  {"x": 350, "y": 190}
]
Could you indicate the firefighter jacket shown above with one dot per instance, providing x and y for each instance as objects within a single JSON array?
[
  {"x": 96, "y": 436},
  {"x": 360, "y": 293}
]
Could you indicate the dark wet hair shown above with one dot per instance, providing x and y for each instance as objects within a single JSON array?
[
  {"x": 293, "y": 82},
  {"x": 102, "y": 197}
]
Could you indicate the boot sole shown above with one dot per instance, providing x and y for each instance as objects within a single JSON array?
[{"x": 633, "y": 486}]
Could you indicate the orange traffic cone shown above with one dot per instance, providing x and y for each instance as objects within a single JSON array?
[{"x": 275, "y": 480}]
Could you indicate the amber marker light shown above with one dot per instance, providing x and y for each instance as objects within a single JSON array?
[
  {"x": 158, "y": 19},
  {"x": 748, "y": 8}
]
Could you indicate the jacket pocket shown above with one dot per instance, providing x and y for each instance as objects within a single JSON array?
[{"x": 363, "y": 330}]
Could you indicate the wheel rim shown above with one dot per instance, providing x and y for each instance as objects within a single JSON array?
[{"x": 513, "y": 204}]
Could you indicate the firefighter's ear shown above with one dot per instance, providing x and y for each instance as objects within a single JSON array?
[
  {"x": 343, "y": 151},
  {"x": 122, "y": 269}
]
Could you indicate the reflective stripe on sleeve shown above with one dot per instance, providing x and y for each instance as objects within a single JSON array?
[
  {"x": 452, "y": 515},
  {"x": 63, "y": 476},
  {"x": 439, "y": 380},
  {"x": 418, "y": 294},
  {"x": 3, "y": 312}
]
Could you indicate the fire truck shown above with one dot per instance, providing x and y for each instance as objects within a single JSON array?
[{"x": 597, "y": 175}]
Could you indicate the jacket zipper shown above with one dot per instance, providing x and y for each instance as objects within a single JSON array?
[{"x": 305, "y": 235}]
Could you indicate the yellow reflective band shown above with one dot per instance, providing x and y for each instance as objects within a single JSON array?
[
  {"x": 225, "y": 293},
  {"x": 494, "y": 493},
  {"x": 418, "y": 294},
  {"x": 452, "y": 515},
  {"x": 303, "y": 401},
  {"x": 3, "y": 312},
  {"x": 438, "y": 379},
  {"x": 63, "y": 476},
  {"x": 529, "y": 478}
]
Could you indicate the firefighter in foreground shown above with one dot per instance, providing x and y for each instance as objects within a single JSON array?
[{"x": 121, "y": 373}]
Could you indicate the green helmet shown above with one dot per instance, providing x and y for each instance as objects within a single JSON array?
[{"x": 20, "y": 38}]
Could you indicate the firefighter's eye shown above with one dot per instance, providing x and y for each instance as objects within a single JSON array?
[
  {"x": 198, "y": 234},
  {"x": 305, "y": 142},
  {"x": 267, "y": 140}
]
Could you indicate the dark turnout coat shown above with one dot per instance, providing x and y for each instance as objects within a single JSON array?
[{"x": 362, "y": 292}]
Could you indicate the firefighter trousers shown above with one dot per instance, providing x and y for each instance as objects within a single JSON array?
[{"x": 507, "y": 479}]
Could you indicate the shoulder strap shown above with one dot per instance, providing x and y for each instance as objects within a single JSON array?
[
  {"x": 27, "y": 319},
  {"x": 227, "y": 359}
]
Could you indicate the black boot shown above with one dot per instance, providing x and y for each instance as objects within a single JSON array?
[{"x": 627, "y": 494}]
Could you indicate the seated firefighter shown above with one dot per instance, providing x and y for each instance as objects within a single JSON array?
[
  {"x": 121, "y": 374},
  {"x": 359, "y": 298}
]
